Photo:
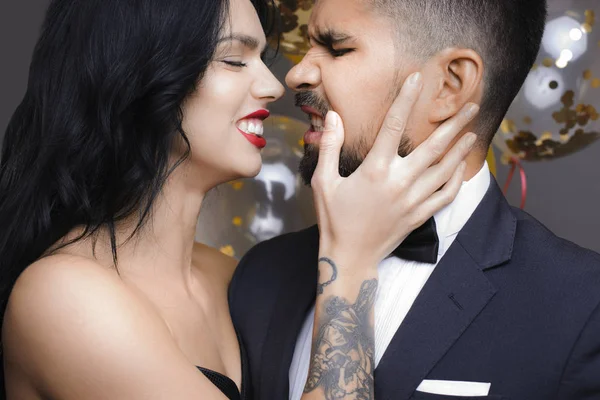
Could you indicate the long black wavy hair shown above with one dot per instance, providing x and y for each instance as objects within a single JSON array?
[{"x": 89, "y": 144}]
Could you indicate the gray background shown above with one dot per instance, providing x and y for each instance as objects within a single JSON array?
[{"x": 564, "y": 194}]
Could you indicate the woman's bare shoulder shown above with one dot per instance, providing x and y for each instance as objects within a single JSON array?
[
  {"x": 61, "y": 283},
  {"x": 58, "y": 281},
  {"x": 79, "y": 331},
  {"x": 57, "y": 299}
]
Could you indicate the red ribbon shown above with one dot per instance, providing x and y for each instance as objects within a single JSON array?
[{"x": 514, "y": 164}]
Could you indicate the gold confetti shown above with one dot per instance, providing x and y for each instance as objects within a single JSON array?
[
  {"x": 596, "y": 83},
  {"x": 564, "y": 138},
  {"x": 547, "y": 153},
  {"x": 547, "y": 62},
  {"x": 545, "y": 136},
  {"x": 237, "y": 221},
  {"x": 587, "y": 74},
  {"x": 301, "y": 142},
  {"x": 572, "y": 13},
  {"x": 508, "y": 126},
  {"x": 527, "y": 120},
  {"x": 590, "y": 17},
  {"x": 237, "y": 185},
  {"x": 587, "y": 28},
  {"x": 535, "y": 66},
  {"x": 506, "y": 158},
  {"x": 227, "y": 250}
]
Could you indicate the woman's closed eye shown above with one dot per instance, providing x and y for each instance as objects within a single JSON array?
[{"x": 237, "y": 64}]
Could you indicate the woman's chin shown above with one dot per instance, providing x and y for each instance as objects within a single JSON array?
[
  {"x": 254, "y": 172},
  {"x": 249, "y": 170}
]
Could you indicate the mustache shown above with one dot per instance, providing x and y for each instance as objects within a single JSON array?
[{"x": 311, "y": 99}]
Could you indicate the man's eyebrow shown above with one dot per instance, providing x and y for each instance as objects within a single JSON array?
[
  {"x": 250, "y": 42},
  {"x": 330, "y": 37}
]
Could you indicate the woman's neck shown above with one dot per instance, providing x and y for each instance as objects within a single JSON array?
[{"x": 162, "y": 249}]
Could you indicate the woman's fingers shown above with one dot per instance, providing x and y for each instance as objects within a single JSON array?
[
  {"x": 439, "y": 174},
  {"x": 385, "y": 148},
  {"x": 330, "y": 147},
  {"x": 438, "y": 142},
  {"x": 442, "y": 197}
]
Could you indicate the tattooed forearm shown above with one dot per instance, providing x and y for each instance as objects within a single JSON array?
[
  {"x": 343, "y": 347},
  {"x": 321, "y": 286}
]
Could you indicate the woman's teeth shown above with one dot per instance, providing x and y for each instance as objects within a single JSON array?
[
  {"x": 253, "y": 126},
  {"x": 317, "y": 123}
]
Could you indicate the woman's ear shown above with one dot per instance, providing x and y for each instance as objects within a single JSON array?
[{"x": 461, "y": 77}]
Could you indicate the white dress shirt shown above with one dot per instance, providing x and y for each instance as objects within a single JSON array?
[{"x": 400, "y": 281}]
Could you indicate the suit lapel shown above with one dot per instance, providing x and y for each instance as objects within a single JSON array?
[
  {"x": 454, "y": 295},
  {"x": 294, "y": 299}
]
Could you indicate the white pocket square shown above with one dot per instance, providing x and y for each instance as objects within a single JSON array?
[{"x": 455, "y": 388}]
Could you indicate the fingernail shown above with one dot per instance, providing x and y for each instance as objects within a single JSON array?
[
  {"x": 471, "y": 111},
  {"x": 471, "y": 139},
  {"x": 331, "y": 120},
  {"x": 415, "y": 78}
]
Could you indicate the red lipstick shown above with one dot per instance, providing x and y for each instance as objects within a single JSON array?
[
  {"x": 260, "y": 114},
  {"x": 257, "y": 141}
]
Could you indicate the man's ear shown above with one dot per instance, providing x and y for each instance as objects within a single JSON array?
[{"x": 461, "y": 81}]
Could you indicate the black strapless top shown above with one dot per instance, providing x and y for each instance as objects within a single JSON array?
[{"x": 224, "y": 383}]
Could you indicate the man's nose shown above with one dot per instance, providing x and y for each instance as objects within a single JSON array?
[{"x": 305, "y": 75}]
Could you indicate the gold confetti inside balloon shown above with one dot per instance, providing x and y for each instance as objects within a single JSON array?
[
  {"x": 294, "y": 26},
  {"x": 556, "y": 112},
  {"x": 242, "y": 213}
]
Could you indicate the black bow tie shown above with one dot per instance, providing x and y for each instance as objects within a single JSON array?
[{"x": 421, "y": 245}]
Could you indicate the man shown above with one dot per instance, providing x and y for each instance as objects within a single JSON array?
[{"x": 505, "y": 309}]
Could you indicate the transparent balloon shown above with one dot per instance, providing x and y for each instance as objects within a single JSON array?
[
  {"x": 556, "y": 112},
  {"x": 242, "y": 213}
]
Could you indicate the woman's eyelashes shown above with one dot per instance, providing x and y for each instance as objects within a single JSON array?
[
  {"x": 237, "y": 64},
  {"x": 264, "y": 56}
]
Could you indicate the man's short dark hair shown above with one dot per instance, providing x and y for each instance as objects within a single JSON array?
[{"x": 506, "y": 33}]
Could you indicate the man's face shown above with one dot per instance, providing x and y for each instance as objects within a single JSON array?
[{"x": 354, "y": 69}]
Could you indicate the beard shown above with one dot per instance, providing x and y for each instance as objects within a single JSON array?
[{"x": 350, "y": 158}]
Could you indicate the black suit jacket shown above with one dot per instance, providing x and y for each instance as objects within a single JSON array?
[{"x": 509, "y": 303}]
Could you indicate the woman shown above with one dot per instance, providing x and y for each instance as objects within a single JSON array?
[
  {"x": 130, "y": 117},
  {"x": 134, "y": 111}
]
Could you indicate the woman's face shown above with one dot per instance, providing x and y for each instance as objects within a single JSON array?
[{"x": 223, "y": 118}]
